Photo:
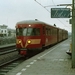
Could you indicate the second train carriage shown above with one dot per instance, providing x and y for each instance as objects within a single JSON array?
[{"x": 33, "y": 35}]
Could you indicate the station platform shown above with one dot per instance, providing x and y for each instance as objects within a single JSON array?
[{"x": 53, "y": 61}]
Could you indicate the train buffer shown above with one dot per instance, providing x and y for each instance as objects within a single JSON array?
[{"x": 53, "y": 61}]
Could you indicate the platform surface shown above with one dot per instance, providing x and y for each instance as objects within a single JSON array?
[{"x": 53, "y": 61}]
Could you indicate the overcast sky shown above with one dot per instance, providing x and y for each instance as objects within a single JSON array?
[{"x": 12, "y": 11}]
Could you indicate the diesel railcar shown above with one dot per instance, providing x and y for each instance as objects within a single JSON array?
[{"x": 34, "y": 35}]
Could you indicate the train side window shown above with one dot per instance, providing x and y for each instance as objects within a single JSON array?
[
  {"x": 49, "y": 31},
  {"x": 37, "y": 31},
  {"x": 55, "y": 31},
  {"x": 46, "y": 31},
  {"x": 19, "y": 31},
  {"x": 33, "y": 32}
]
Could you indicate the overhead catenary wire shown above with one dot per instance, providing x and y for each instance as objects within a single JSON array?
[
  {"x": 57, "y": 18},
  {"x": 49, "y": 11},
  {"x": 42, "y": 5}
]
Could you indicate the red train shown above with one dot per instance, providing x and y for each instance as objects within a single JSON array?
[{"x": 34, "y": 35}]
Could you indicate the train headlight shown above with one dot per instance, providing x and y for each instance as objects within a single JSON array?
[
  {"x": 29, "y": 41},
  {"x": 19, "y": 41}
]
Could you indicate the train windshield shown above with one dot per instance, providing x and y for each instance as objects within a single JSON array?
[{"x": 28, "y": 31}]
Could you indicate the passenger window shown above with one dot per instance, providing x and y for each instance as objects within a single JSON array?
[{"x": 37, "y": 31}]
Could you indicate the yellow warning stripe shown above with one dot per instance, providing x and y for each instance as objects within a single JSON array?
[{"x": 33, "y": 41}]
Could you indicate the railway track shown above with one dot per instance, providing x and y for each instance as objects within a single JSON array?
[
  {"x": 7, "y": 48},
  {"x": 9, "y": 59},
  {"x": 7, "y": 67},
  {"x": 7, "y": 54}
]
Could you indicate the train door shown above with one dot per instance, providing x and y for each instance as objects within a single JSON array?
[{"x": 43, "y": 37}]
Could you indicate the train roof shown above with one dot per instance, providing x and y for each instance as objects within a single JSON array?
[
  {"x": 30, "y": 22},
  {"x": 36, "y": 21},
  {"x": 33, "y": 22}
]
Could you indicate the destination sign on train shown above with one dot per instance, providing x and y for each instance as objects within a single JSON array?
[{"x": 60, "y": 12}]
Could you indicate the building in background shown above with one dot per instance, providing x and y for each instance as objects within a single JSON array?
[
  {"x": 11, "y": 32},
  {"x": 3, "y": 30},
  {"x": 6, "y": 32}
]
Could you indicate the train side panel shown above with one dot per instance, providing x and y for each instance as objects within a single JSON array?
[{"x": 50, "y": 36}]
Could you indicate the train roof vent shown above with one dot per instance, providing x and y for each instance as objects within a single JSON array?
[
  {"x": 55, "y": 25},
  {"x": 36, "y": 19}
]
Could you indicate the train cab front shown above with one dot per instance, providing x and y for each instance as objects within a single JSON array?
[
  {"x": 28, "y": 39},
  {"x": 19, "y": 45}
]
